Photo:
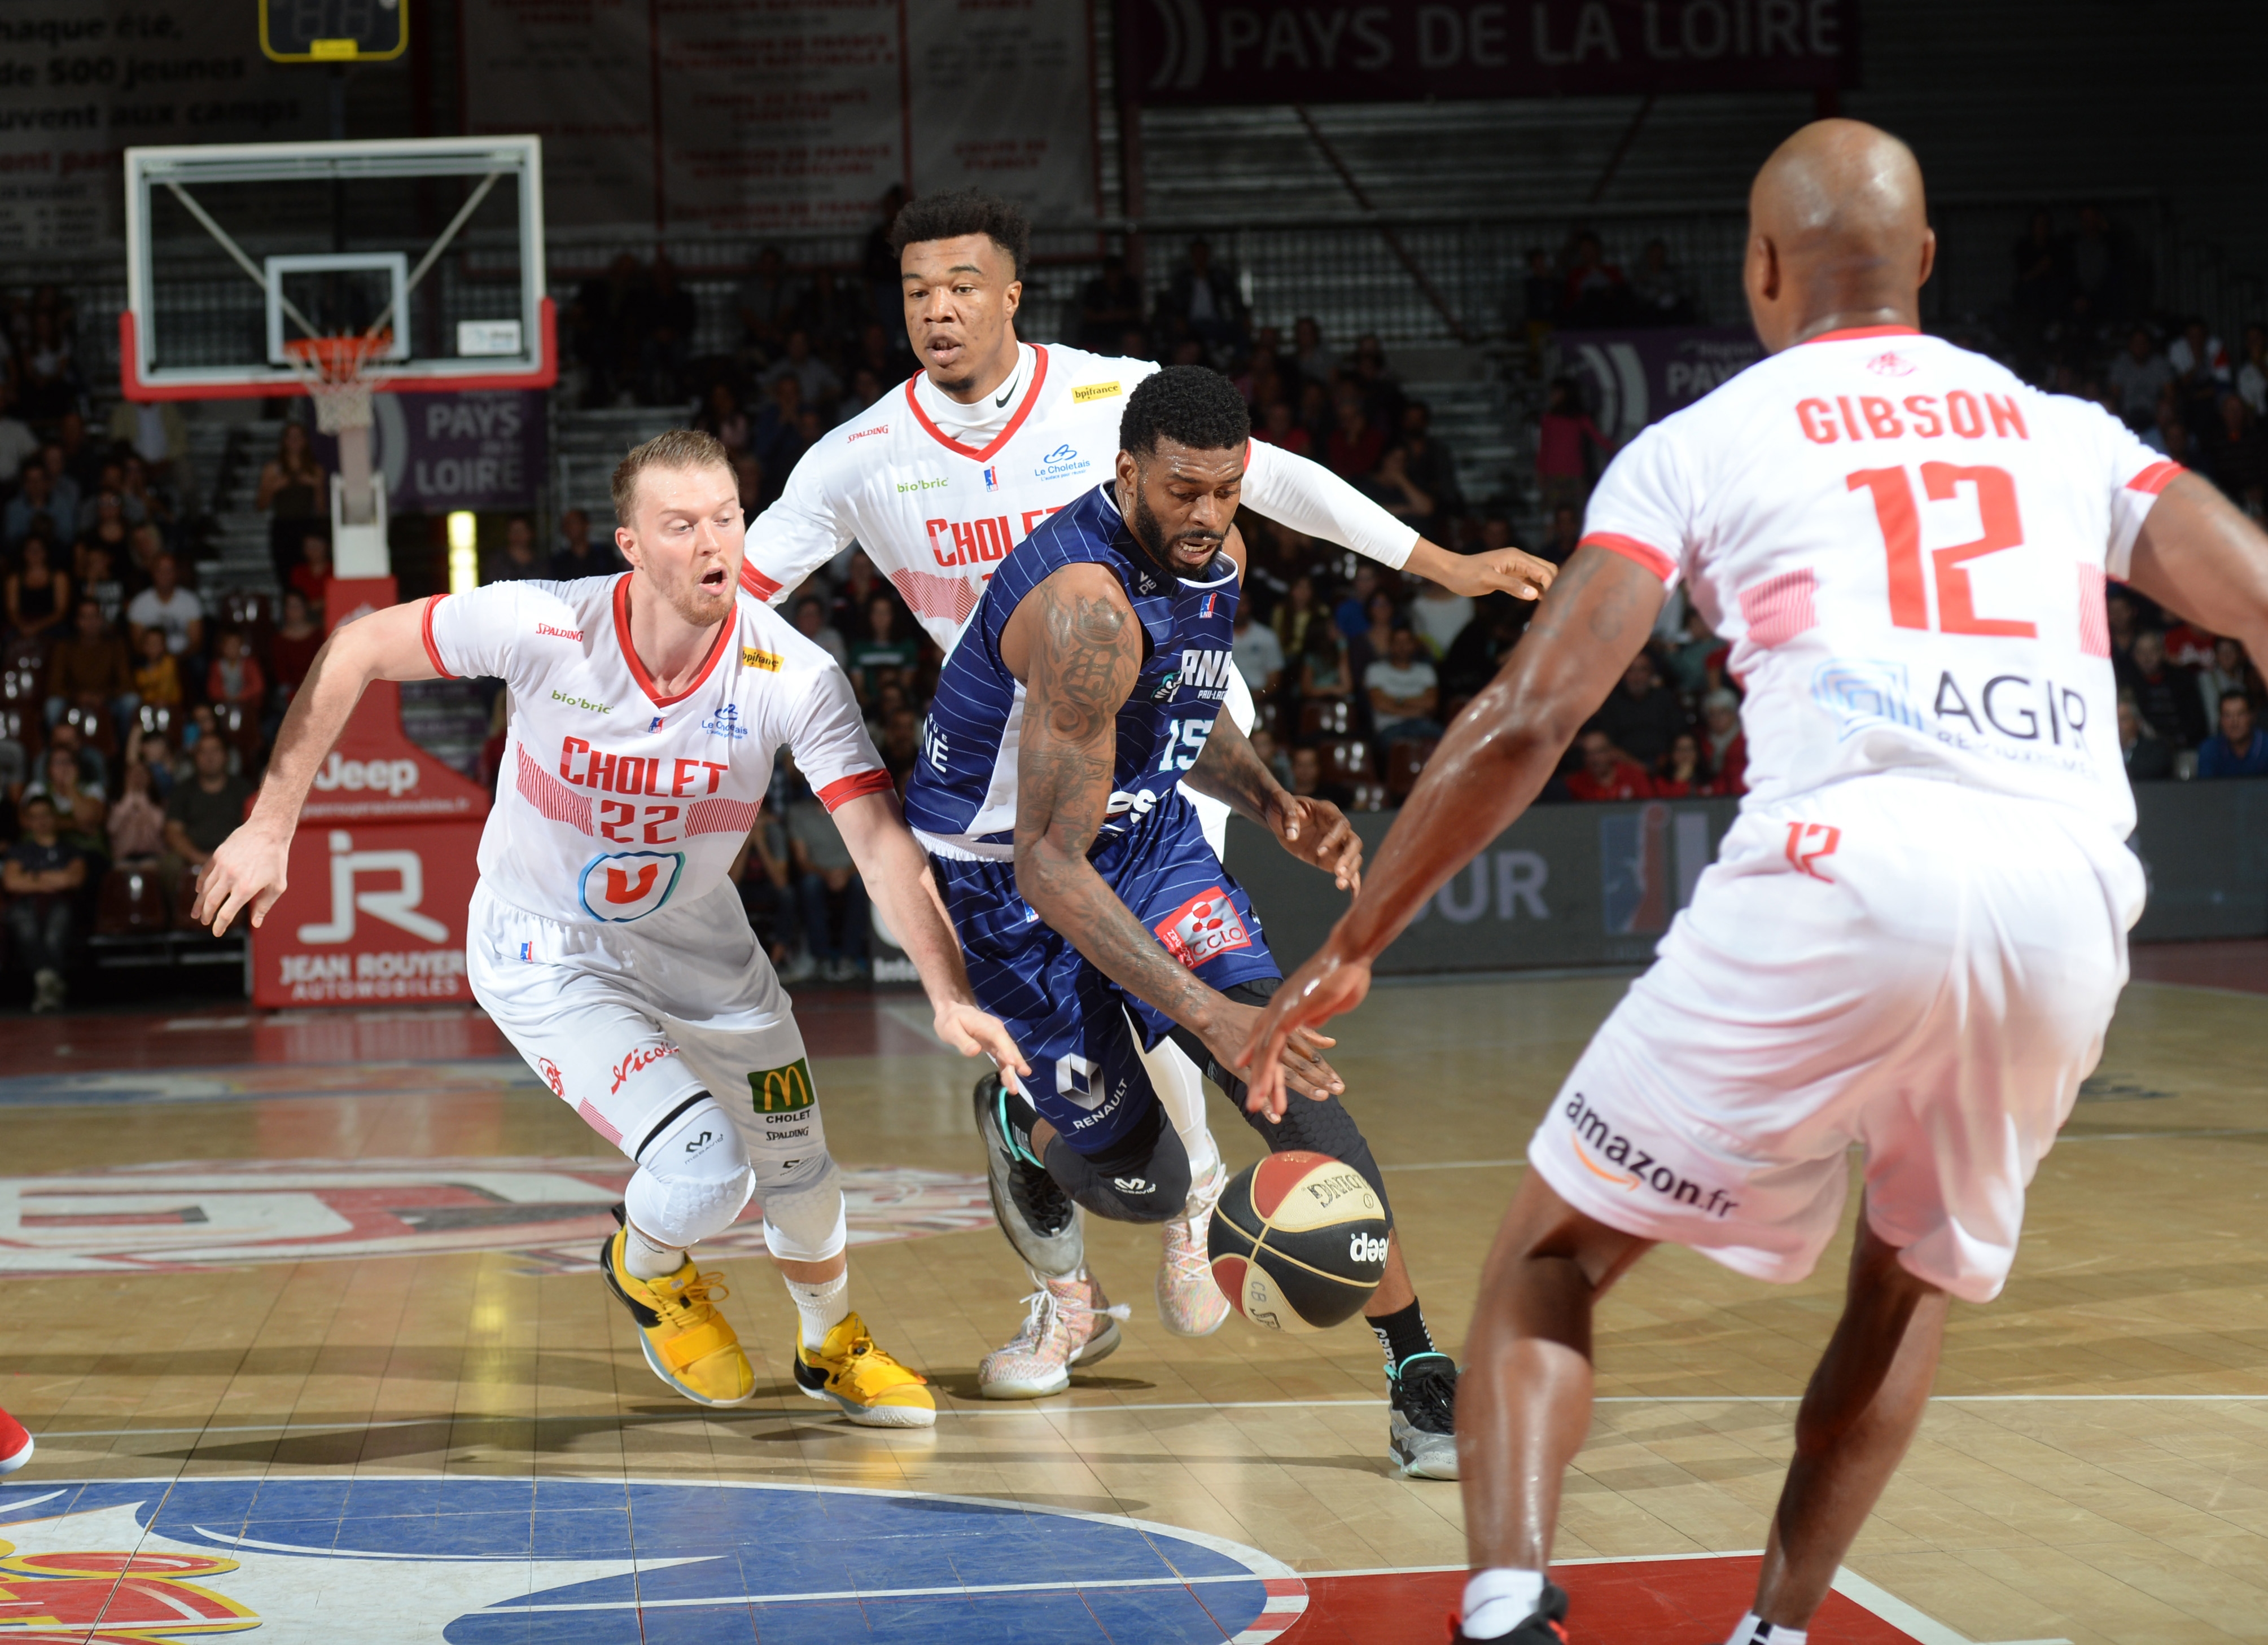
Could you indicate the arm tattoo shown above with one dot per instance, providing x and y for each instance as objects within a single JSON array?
[
  {"x": 1228, "y": 771},
  {"x": 1086, "y": 654}
]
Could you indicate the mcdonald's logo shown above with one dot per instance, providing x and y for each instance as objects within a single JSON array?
[{"x": 782, "y": 1090}]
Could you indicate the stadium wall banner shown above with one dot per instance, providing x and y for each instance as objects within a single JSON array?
[
  {"x": 483, "y": 449},
  {"x": 1565, "y": 886},
  {"x": 1598, "y": 885},
  {"x": 84, "y": 79},
  {"x": 1630, "y": 378},
  {"x": 753, "y": 116},
  {"x": 383, "y": 866},
  {"x": 1277, "y": 51}
]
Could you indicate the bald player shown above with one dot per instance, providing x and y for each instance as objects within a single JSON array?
[{"x": 1913, "y": 936}]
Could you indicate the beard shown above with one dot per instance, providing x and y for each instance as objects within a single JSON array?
[
  {"x": 1150, "y": 533},
  {"x": 698, "y": 607}
]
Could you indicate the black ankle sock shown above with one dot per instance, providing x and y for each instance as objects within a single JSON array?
[{"x": 1403, "y": 1335}]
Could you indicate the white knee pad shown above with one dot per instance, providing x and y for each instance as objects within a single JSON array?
[
  {"x": 692, "y": 1177},
  {"x": 803, "y": 1207},
  {"x": 1180, "y": 1090}
]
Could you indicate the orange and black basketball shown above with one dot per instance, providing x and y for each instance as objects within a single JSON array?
[{"x": 1299, "y": 1241}]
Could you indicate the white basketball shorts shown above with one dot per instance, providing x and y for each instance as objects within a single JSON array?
[
  {"x": 627, "y": 1024},
  {"x": 1917, "y": 969}
]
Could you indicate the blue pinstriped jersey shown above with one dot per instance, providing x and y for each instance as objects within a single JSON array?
[{"x": 962, "y": 798}]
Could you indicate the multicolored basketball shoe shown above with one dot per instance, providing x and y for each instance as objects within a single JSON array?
[
  {"x": 870, "y": 1387},
  {"x": 1188, "y": 1298},
  {"x": 686, "y": 1340},
  {"x": 15, "y": 1446},
  {"x": 1422, "y": 1417},
  {"x": 1070, "y": 1323}
]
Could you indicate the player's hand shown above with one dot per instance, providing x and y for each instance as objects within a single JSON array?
[
  {"x": 1317, "y": 832},
  {"x": 1276, "y": 1055},
  {"x": 1498, "y": 572},
  {"x": 974, "y": 1033},
  {"x": 1301, "y": 1066},
  {"x": 247, "y": 871}
]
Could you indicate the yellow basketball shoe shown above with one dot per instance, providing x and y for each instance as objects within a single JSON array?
[
  {"x": 864, "y": 1381},
  {"x": 686, "y": 1340}
]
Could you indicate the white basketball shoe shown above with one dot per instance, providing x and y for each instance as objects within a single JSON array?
[
  {"x": 1190, "y": 1301},
  {"x": 1070, "y": 1323}
]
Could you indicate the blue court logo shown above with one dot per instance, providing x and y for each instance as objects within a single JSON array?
[{"x": 482, "y": 1561}]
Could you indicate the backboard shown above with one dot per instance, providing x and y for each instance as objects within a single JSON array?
[
  {"x": 334, "y": 31},
  {"x": 236, "y": 251}
]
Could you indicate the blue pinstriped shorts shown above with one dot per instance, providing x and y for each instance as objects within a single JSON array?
[{"x": 1077, "y": 1027}]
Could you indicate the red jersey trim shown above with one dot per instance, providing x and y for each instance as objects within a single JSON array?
[
  {"x": 757, "y": 583},
  {"x": 842, "y": 791},
  {"x": 2155, "y": 478},
  {"x": 621, "y": 614},
  {"x": 1643, "y": 554},
  {"x": 1851, "y": 333},
  {"x": 425, "y": 631},
  {"x": 1031, "y": 399}
]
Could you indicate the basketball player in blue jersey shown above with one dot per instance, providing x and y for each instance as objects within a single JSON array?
[{"x": 1097, "y": 922}]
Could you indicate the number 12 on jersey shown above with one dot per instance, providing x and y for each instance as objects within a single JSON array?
[{"x": 1900, "y": 519}]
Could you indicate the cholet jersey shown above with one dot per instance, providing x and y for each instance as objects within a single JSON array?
[
  {"x": 961, "y": 802},
  {"x": 937, "y": 494},
  {"x": 1906, "y": 546},
  {"x": 613, "y": 799}
]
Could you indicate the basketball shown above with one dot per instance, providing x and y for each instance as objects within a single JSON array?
[{"x": 1298, "y": 1242}]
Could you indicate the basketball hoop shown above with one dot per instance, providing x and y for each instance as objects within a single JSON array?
[{"x": 335, "y": 370}]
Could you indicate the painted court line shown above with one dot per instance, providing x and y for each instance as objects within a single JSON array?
[
  {"x": 1068, "y": 1585},
  {"x": 624, "y": 1419}
]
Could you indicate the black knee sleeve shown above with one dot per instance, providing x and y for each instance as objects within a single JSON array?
[
  {"x": 1143, "y": 1177},
  {"x": 1321, "y": 1128}
]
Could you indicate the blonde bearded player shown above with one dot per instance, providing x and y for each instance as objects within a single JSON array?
[
  {"x": 1913, "y": 937},
  {"x": 943, "y": 475},
  {"x": 606, "y": 939}
]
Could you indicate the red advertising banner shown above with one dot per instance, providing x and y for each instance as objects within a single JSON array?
[
  {"x": 383, "y": 867},
  {"x": 1274, "y": 51},
  {"x": 375, "y": 912}
]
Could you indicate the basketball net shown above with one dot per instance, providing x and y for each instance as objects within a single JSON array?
[{"x": 336, "y": 372}]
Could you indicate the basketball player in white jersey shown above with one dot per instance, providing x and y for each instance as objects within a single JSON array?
[
  {"x": 606, "y": 937},
  {"x": 940, "y": 479},
  {"x": 1913, "y": 937}
]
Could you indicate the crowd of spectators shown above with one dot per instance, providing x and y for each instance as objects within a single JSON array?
[{"x": 134, "y": 713}]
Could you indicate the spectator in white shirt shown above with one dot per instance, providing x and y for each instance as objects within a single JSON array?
[
  {"x": 1259, "y": 654},
  {"x": 811, "y": 622},
  {"x": 1405, "y": 693},
  {"x": 2140, "y": 376},
  {"x": 168, "y": 607},
  {"x": 2198, "y": 359},
  {"x": 1439, "y": 617}
]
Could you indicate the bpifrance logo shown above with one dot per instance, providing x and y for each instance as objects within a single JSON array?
[
  {"x": 1202, "y": 927},
  {"x": 628, "y": 884}
]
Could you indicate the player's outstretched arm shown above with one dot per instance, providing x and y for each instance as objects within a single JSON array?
[
  {"x": 1489, "y": 769},
  {"x": 803, "y": 529},
  {"x": 1314, "y": 831},
  {"x": 897, "y": 877},
  {"x": 1295, "y": 491},
  {"x": 248, "y": 869},
  {"x": 1080, "y": 647},
  {"x": 2197, "y": 555}
]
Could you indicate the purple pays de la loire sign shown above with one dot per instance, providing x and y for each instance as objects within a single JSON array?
[
  {"x": 1630, "y": 378},
  {"x": 483, "y": 449},
  {"x": 1279, "y": 51}
]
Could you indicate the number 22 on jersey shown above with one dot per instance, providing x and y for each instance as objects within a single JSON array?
[{"x": 1895, "y": 512}]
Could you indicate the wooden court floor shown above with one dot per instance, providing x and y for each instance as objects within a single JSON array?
[{"x": 2095, "y": 1468}]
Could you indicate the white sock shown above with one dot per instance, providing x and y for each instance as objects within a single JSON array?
[
  {"x": 649, "y": 1259},
  {"x": 822, "y": 1307},
  {"x": 1754, "y": 1630},
  {"x": 1499, "y": 1599}
]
